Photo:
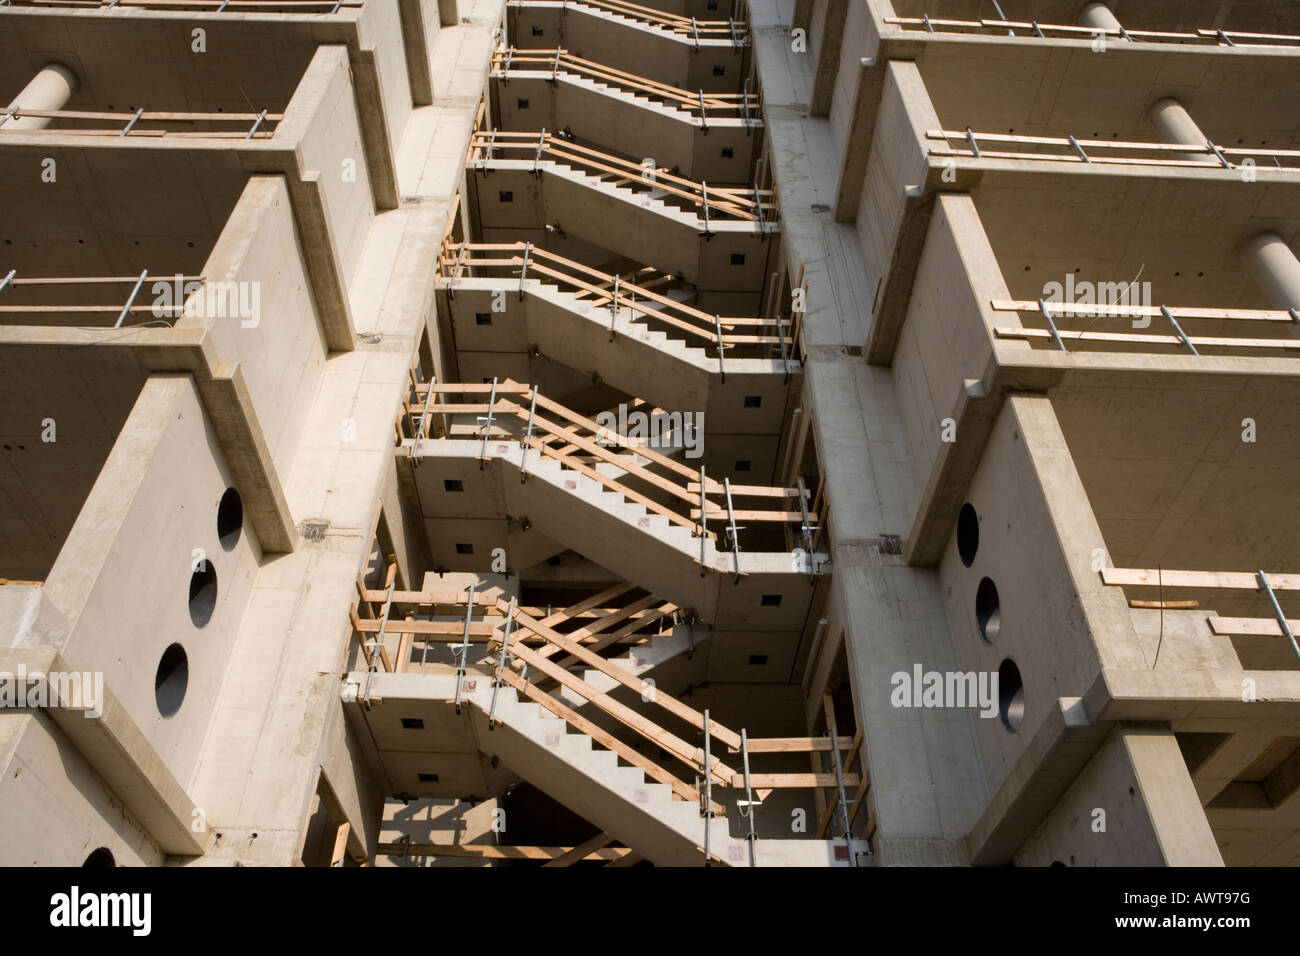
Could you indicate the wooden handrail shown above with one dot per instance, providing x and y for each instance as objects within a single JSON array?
[
  {"x": 1082, "y": 309},
  {"x": 1206, "y": 341},
  {"x": 1081, "y": 32},
  {"x": 1234, "y": 580}
]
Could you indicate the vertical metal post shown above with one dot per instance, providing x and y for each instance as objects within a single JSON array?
[
  {"x": 523, "y": 270},
  {"x": 704, "y": 199},
  {"x": 613, "y": 306},
  {"x": 462, "y": 653},
  {"x": 502, "y": 663},
  {"x": 806, "y": 529},
  {"x": 844, "y": 805},
  {"x": 732, "y": 529},
  {"x": 704, "y": 525},
  {"x": 1282, "y": 622},
  {"x": 485, "y": 423},
  {"x": 526, "y": 442},
  {"x": 376, "y": 646},
  {"x": 708, "y": 791},
  {"x": 722, "y": 368},
  {"x": 748, "y": 812}
]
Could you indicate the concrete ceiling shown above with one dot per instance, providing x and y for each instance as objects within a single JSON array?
[
  {"x": 1173, "y": 484},
  {"x": 89, "y": 394},
  {"x": 130, "y": 61},
  {"x": 1181, "y": 235},
  {"x": 111, "y": 212},
  {"x": 1039, "y": 88}
]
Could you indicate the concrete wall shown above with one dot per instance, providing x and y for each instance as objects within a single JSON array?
[
  {"x": 65, "y": 810},
  {"x": 328, "y": 141},
  {"x": 1040, "y": 566},
  {"x": 380, "y": 27},
  {"x": 282, "y": 356},
  {"x": 896, "y": 162},
  {"x": 853, "y": 47},
  {"x": 129, "y": 560},
  {"x": 944, "y": 340},
  {"x": 1132, "y": 805}
]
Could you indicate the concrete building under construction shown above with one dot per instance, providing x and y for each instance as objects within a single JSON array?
[{"x": 677, "y": 432}]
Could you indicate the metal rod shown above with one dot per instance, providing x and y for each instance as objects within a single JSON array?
[
  {"x": 1178, "y": 329},
  {"x": 722, "y": 368},
  {"x": 844, "y": 805},
  {"x": 695, "y": 32},
  {"x": 525, "y": 442},
  {"x": 704, "y": 198},
  {"x": 704, "y": 524},
  {"x": 1079, "y": 149},
  {"x": 973, "y": 145},
  {"x": 523, "y": 271},
  {"x": 502, "y": 663},
  {"x": 708, "y": 791},
  {"x": 732, "y": 529},
  {"x": 462, "y": 652},
  {"x": 613, "y": 306},
  {"x": 256, "y": 123},
  {"x": 749, "y": 796},
  {"x": 704, "y": 116},
  {"x": 1051, "y": 326},
  {"x": 555, "y": 70},
  {"x": 13, "y": 272},
  {"x": 1282, "y": 622},
  {"x": 537, "y": 159},
  {"x": 421, "y": 431},
  {"x": 134, "y": 119},
  {"x": 1223, "y": 160},
  {"x": 376, "y": 647},
  {"x": 485, "y": 423},
  {"x": 126, "y": 309},
  {"x": 806, "y": 528}
]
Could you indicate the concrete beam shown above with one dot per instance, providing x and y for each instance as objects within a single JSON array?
[
  {"x": 117, "y": 750},
  {"x": 415, "y": 41},
  {"x": 828, "y": 57}
]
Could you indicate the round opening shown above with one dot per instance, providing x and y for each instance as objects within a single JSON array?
[
  {"x": 100, "y": 858},
  {"x": 988, "y": 612},
  {"x": 230, "y": 519},
  {"x": 171, "y": 680},
  {"x": 203, "y": 593},
  {"x": 968, "y": 534},
  {"x": 1011, "y": 695}
]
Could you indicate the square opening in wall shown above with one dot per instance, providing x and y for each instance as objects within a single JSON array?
[
  {"x": 719, "y": 70},
  {"x": 737, "y": 258},
  {"x": 453, "y": 484},
  {"x": 482, "y": 318},
  {"x": 742, "y": 464},
  {"x": 728, "y": 152},
  {"x": 427, "y": 777},
  {"x": 506, "y": 195},
  {"x": 771, "y": 600},
  {"x": 753, "y": 401},
  {"x": 412, "y": 723},
  {"x": 462, "y": 548},
  {"x": 758, "y": 660},
  {"x": 537, "y": 31},
  {"x": 523, "y": 103}
]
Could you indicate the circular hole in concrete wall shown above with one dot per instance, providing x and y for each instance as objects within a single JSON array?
[
  {"x": 1011, "y": 695},
  {"x": 203, "y": 593},
  {"x": 101, "y": 857},
  {"x": 968, "y": 534},
  {"x": 171, "y": 680},
  {"x": 230, "y": 519},
  {"x": 988, "y": 612}
]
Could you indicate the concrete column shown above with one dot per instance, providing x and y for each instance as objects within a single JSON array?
[
  {"x": 48, "y": 90},
  {"x": 1099, "y": 17},
  {"x": 1175, "y": 125},
  {"x": 1275, "y": 267}
]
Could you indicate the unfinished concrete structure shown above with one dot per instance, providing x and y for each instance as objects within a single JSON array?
[{"x": 825, "y": 433}]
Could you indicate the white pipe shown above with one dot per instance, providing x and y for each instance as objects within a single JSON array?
[{"x": 49, "y": 89}]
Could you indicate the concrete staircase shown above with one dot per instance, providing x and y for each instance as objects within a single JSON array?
[
  {"x": 716, "y": 148},
  {"x": 619, "y": 534},
  {"x": 657, "y": 52},
  {"x": 621, "y": 800},
  {"x": 632, "y": 222}
]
